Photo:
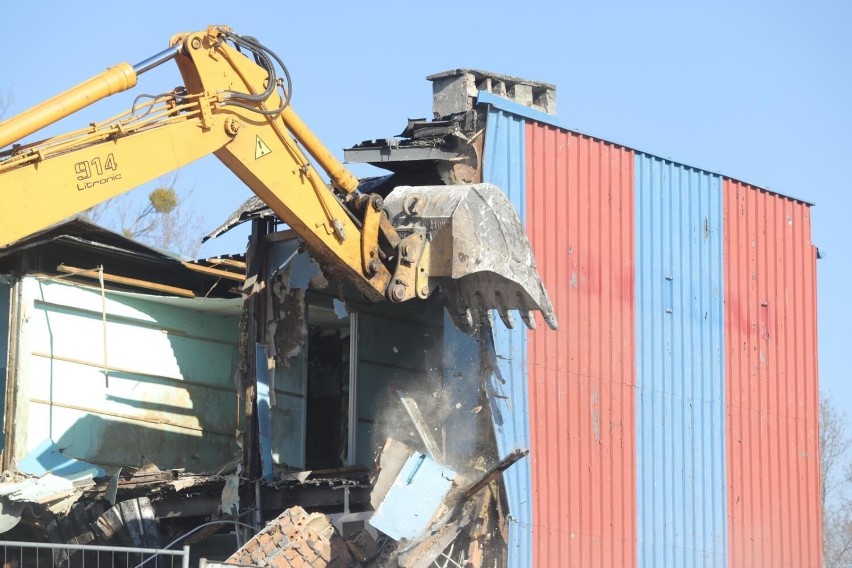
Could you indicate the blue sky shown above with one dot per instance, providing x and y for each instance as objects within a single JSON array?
[{"x": 759, "y": 91}]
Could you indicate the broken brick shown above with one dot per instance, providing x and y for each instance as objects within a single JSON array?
[
  {"x": 270, "y": 547},
  {"x": 258, "y": 555},
  {"x": 321, "y": 548},
  {"x": 280, "y": 562},
  {"x": 288, "y": 541}
]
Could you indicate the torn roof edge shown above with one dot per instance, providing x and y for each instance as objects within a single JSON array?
[
  {"x": 83, "y": 232},
  {"x": 78, "y": 228},
  {"x": 255, "y": 208},
  {"x": 252, "y": 207}
]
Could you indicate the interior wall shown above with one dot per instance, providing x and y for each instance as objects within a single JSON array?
[
  {"x": 395, "y": 357},
  {"x": 398, "y": 350}
]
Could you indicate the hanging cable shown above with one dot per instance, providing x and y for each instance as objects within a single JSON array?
[
  {"x": 104, "y": 322},
  {"x": 264, "y": 58}
]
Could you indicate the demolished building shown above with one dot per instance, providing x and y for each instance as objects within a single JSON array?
[
  {"x": 278, "y": 385},
  {"x": 130, "y": 387}
]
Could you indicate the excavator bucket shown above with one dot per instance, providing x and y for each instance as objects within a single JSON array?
[{"x": 478, "y": 252}]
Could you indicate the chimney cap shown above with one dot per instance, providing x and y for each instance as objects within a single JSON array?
[{"x": 480, "y": 74}]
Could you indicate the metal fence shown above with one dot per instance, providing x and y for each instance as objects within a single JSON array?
[{"x": 38, "y": 555}]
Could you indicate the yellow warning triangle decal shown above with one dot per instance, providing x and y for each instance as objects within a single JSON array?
[{"x": 261, "y": 149}]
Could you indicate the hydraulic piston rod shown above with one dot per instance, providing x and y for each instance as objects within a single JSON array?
[{"x": 114, "y": 80}]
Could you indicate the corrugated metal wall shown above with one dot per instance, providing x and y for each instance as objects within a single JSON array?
[
  {"x": 680, "y": 436},
  {"x": 714, "y": 459},
  {"x": 771, "y": 380},
  {"x": 503, "y": 165},
  {"x": 579, "y": 215}
]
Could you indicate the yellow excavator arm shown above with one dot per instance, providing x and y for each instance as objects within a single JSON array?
[{"x": 237, "y": 108}]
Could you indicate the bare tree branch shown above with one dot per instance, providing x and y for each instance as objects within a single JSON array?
[
  {"x": 165, "y": 221},
  {"x": 6, "y": 99},
  {"x": 836, "y": 484}
]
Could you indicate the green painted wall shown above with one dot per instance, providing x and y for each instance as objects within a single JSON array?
[{"x": 154, "y": 383}]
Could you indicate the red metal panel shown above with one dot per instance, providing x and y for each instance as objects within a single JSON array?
[
  {"x": 581, "y": 378},
  {"x": 771, "y": 380}
]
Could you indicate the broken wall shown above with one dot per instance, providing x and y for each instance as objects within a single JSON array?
[
  {"x": 123, "y": 378},
  {"x": 5, "y": 290},
  {"x": 292, "y": 272},
  {"x": 397, "y": 349}
]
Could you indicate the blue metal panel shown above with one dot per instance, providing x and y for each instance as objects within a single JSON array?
[
  {"x": 516, "y": 109},
  {"x": 414, "y": 498},
  {"x": 504, "y": 166},
  {"x": 680, "y": 421}
]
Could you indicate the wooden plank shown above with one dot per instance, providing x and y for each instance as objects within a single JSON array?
[
  {"x": 479, "y": 533},
  {"x": 215, "y": 271},
  {"x": 94, "y": 273},
  {"x": 227, "y": 262},
  {"x": 492, "y": 473}
]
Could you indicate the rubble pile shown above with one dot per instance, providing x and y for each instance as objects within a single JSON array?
[{"x": 296, "y": 539}]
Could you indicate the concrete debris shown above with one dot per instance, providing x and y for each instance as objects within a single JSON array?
[{"x": 44, "y": 489}]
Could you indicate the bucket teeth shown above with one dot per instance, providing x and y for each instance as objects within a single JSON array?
[
  {"x": 508, "y": 319},
  {"x": 503, "y": 310},
  {"x": 489, "y": 315},
  {"x": 527, "y": 315},
  {"x": 468, "y": 318},
  {"x": 551, "y": 320}
]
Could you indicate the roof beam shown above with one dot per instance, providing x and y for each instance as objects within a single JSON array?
[
  {"x": 215, "y": 271},
  {"x": 96, "y": 274}
]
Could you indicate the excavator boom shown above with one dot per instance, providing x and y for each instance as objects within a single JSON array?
[{"x": 238, "y": 108}]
